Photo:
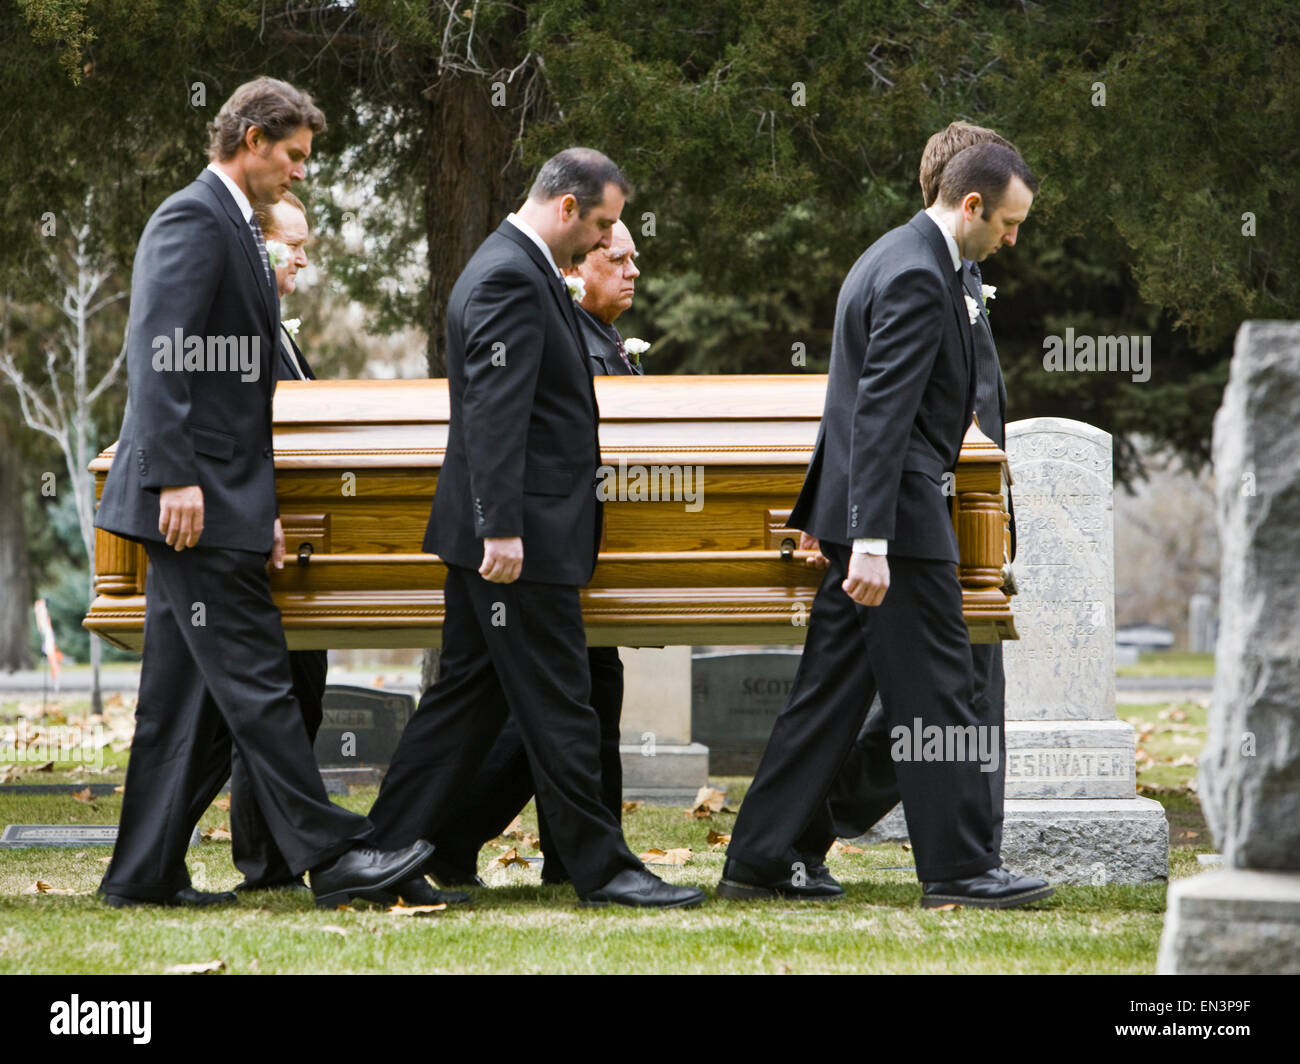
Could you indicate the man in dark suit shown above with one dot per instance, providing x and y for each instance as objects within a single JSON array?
[
  {"x": 193, "y": 480},
  {"x": 516, "y": 519},
  {"x": 504, "y": 784},
  {"x": 888, "y": 614},
  {"x": 866, "y": 787}
]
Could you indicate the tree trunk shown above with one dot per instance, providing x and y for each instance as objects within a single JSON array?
[
  {"x": 473, "y": 181},
  {"x": 15, "y": 583}
]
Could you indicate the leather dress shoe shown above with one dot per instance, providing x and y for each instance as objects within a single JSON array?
[
  {"x": 995, "y": 889},
  {"x": 186, "y": 897},
  {"x": 741, "y": 883},
  {"x": 362, "y": 869},
  {"x": 415, "y": 891},
  {"x": 288, "y": 886},
  {"x": 638, "y": 887},
  {"x": 449, "y": 875}
]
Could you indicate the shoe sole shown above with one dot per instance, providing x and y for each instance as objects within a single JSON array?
[
  {"x": 688, "y": 903},
  {"x": 735, "y": 891},
  {"x": 936, "y": 901},
  {"x": 341, "y": 897}
]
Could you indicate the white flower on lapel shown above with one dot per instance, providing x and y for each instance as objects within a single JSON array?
[
  {"x": 635, "y": 347},
  {"x": 972, "y": 308},
  {"x": 277, "y": 253},
  {"x": 293, "y": 325},
  {"x": 988, "y": 291},
  {"x": 577, "y": 287}
]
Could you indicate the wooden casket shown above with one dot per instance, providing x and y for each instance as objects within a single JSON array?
[{"x": 694, "y": 551}]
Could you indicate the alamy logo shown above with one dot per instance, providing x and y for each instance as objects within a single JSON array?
[
  {"x": 208, "y": 354},
  {"x": 656, "y": 483},
  {"x": 102, "y": 1017},
  {"x": 1089, "y": 354},
  {"x": 953, "y": 742}
]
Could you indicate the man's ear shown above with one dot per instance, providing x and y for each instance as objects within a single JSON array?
[
  {"x": 972, "y": 202},
  {"x": 568, "y": 207}
]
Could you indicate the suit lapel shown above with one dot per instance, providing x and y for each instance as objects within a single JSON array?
[
  {"x": 929, "y": 230},
  {"x": 244, "y": 237}
]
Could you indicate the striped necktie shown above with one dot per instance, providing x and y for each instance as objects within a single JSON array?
[{"x": 261, "y": 245}]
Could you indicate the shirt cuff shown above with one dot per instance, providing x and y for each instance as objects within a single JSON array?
[{"x": 871, "y": 546}]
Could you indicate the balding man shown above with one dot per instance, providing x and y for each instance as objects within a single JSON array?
[{"x": 504, "y": 784}]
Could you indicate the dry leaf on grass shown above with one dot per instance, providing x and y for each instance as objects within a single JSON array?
[
  {"x": 221, "y": 833},
  {"x": 120, "y": 789},
  {"x": 717, "y": 838},
  {"x": 632, "y": 806},
  {"x": 844, "y": 847},
  {"x": 84, "y": 795},
  {"x": 334, "y": 929},
  {"x": 511, "y": 856},
  {"x": 223, "y": 803},
  {"x": 708, "y": 800},
  {"x": 47, "y": 767},
  {"x": 513, "y": 828},
  {"x": 201, "y": 968},
  {"x": 415, "y": 910},
  {"x": 677, "y": 856},
  {"x": 945, "y": 908}
]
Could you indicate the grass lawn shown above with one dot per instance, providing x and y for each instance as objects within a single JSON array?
[
  {"x": 1169, "y": 663},
  {"x": 520, "y": 926}
]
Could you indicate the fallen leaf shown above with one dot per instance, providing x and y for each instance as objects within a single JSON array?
[
  {"x": 334, "y": 929},
  {"x": 39, "y": 887},
  {"x": 223, "y": 803},
  {"x": 415, "y": 910},
  {"x": 907, "y": 846},
  {"x": 221, "y": 833},
  {"x": 513, "y": 828},
  {"x": 47, "y": 767},
  {"x": 677, "y": 856},
  {"x": 84, "y": 795},
  {"x": 945, "y": 908},
  {"x": 511, "y": 856},
  {"x": 120, "y": 789},
  {"x": 632, "y": 806},
  {"x": 201, "y": 968},
  {"x": 527, "y": 838},
  {"x": 717, "y": 838},
  {"x": 844, "y": 847},
  {"x": 1192, "y": 834}
]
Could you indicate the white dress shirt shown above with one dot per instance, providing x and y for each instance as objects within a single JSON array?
[
  {"x": 241, "y": 201},
  {"x": 531, "y": 233}
]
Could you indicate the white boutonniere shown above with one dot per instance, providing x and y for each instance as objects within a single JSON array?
[
  {"x": 988, "y": 291},
  {"x": 635, "y": 348},
  {"x": 292, "y": 324},
  {"x": 972, "y": 308},
  {"x": 277, "y": 253},
  {"x": 576, "y": 286}
]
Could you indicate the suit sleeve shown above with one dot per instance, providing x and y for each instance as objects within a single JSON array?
[
  {"x": 177, "y": 270},
  {"x": 503, "y": 354},
  {"x": 905, "y": 332}
]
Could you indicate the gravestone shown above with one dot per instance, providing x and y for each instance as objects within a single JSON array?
[
  {"x": 23, "y": 836},
  {"x": 1245, "y": 916},
  {"x": 1072, "y": 811},
  {"x": 661, "y": 762},
  {"x": 736, "y": 696},
  {"x": 360, "y": 726},
  {"x": 1200, "y": 623}
]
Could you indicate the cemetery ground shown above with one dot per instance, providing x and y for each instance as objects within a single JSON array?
[{"x": 51, "y": 922}]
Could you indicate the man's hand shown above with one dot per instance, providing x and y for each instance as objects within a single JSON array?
[
  {"x": 277, "y": 545},
  {"x": 503, "y": 559},
  {"x": 180, "y": 515},
  {"x": 868, "y": 579},
  {"x": 812, "y": 543}
]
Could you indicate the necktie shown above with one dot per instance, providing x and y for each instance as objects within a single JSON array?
[
  {"x": 622, "y": 351},
  {"x": 261, "y": 245}
]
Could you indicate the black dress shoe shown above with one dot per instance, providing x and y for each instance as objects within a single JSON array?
[
  {"x": 995, "y": 889},
  {"x": 363, "y": 869},
  {"x": 415, "y": 891},
  {"x": 449, "y": 875},
  {"x": 741, "y": 883},
  {"x": 186, "y": 897},
  {"x": 287, "y": 885},
  {"x": 638, "y": 887}
]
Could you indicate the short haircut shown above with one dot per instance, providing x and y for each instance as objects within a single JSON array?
[
  {"x": 265, "y": 212},
  {"x": 584, "y": 172},
  {"x": 941, "y": 147},
  {"x": 986, "y": 169},
  {"x": 274, "y": 106}
]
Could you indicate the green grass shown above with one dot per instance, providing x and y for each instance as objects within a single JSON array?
[{"x": 1169, "y": 663}]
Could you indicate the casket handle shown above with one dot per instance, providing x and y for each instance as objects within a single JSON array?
[
  {"x": 304, "y": 553},
  {"x": 787, "y": 549}
]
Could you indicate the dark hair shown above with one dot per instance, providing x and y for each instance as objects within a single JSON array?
[
  {"x": 275, "y": 107},
  {"x": 941, "y": 147},
  {"x": 266, "y": 212},
  {"x": 986, "y": 169},
  {"x": 584, "y": 172}
]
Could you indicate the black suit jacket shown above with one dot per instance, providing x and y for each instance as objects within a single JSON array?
[
  {"x": 991, "y": 391},
  {"x": 288, "y": 349},
  {"x": 522, "y": 446},
  {"x": 598, "y": 339},
  {"x": 198, "y": 275},
  {"x": 899, "y": 398}
]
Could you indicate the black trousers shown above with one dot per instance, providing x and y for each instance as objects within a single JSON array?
[
  {"x": 504, "y": 784},
  {"x": 252, "y": 845},
  {"x": 515, "y": 650},
  {"x": 215, "y": 684},
  {"x": 914, "y": 649},
  {"x": 866, "y": 788}
]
